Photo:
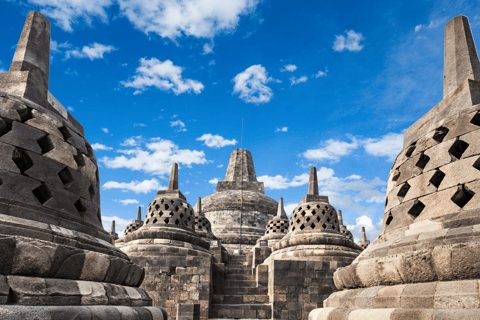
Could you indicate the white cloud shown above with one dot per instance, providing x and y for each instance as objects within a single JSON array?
[
  {"x": 294, "y": 80},
  {"x": 280, "y": 182},
  {"x": 163, "y": 75},
  {"x": 211, "y": 63},
  {"x": 289, "y": 68},
  {"x": 207, "y": 48},
  {"x": 220, "y": 166},
  {"x": 157, "y": 158},
  {"x": 128, "y": 201},
  {"x": 216, "y": 141},
  {"x": 174, "y": 18},
  {"x": 66, "y": 13},
  {"x": 70, "y": 109},
  {"x": 331, "y": 150},
  {"x": 132, "y": 142},
  {"x": 388, "y": 146},
  {"x": 353, "y": 177},
  {"x": 283, "y": 129},
  {"x": 251, "y": 85},
  {"x": 321, "y": 73},
  {"x": 213, "y": 181},
  {"x": 145, "y": 186},
  {"x": 350, "y": 43},
  {"x": 174, "y": 116},
  {"x": 372, "y": 230},
  {"x": 179, "y": 124},
  {"x": 99, "y": 146},
  {"x": 94, "y": 51},
  {"x": 433, "y": 24},
  {"x": 139, "y": 125},
  {"x": 105, "y": 130}
]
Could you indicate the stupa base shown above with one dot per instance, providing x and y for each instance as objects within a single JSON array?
[
  {"x": 428, "y": 300},
  {"x": 14, "y": 312}
]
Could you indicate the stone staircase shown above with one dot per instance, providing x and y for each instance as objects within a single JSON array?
[{"x": 240, "y": 298}]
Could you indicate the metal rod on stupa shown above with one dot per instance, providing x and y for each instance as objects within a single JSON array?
[{"x": 461, "y": 59}]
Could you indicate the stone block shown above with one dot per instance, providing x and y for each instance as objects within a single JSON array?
[
  {"x": 388, "y": 297},
  {"x": 457, "y": 295},
  {"x": 30, "y": 260},
  {"x": 23, "y": 136}
]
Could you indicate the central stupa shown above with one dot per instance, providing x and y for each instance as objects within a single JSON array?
[{"x": 239, "y": 209}]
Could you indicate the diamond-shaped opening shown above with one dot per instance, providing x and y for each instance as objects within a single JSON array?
[
  {"x": 318, "y": 207},
  {"x": 177, "y": 222},
  {"x": 154, "y": 220},
  {"x": 308, "y": 207},
  {"x": 328, "y": 219},
  {"x": 416, "y": 209},
  {"x": 189, "y": 218},
  {"x": 181, "y": 215},
  {"x": 274, "y": 230},
  {"x": 403, "y": 191},
  {"x": 318, "y": 219},
  {"x": 45, "y": 144},
  {"x": 462, "y": 196},
  {"x": 313, "y": 212},
  {"x": 66, "y": 176},
  {"x": 5, "y": 126},
  {"x": 80, "y": 160},
  {"x": 147, "y": 221},
  {"x": 1, "y": 181},
  {"x": 386, "y": 202},
  {"x": 65, "y": 133},
  {"x": 410, "y": 150},
  {"x": 333, "y": 227},
  {"x": 323, "y": 212},
  {"x": 437, "y": 178},
  {"x": 91, "y": 191},
  {"x": 302, "y": 226},
  {"x": 166, "y": 206},
  {"x": 324, "y": 226},
  {"x": 439, "y": 134},
  {"x": 295, "y": 215},
  {"x": 177, "y": 208},
  {"x": 157, "y": 206},
  {"x": 458, "y": 148},
  {"x": 81, "y": 209},
  {"x": 171, "y": 201},
  {"x": 389, "y": 219},
  {"x": 42, "y": 193},
  {"x": 303, "y": 213},
  {"x": 396, "y": 175},
  {"x": 476, "y": 164},
  {"x": 312, "y": 225},
  {"x": 160, "y": 213},
  {"x": 422, "y": 161},
  {"x": 162, "y": 201},
  {"x": 152, "y": 214},
  {"x": 308, "y": 219},
  {"x": 476, "y": 119},
  {"x": 22, "y": 160},
  {"x": 25, "y": 114},
  {"x": 293, "y": 229},
  {"x": 298, "y": 220},
  {"x": 166, "y": 220},
  {"x": 171, "y": 213}
]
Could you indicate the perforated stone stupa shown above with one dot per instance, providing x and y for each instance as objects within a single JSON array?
[
  {"x": 203, "y": 227},
  {"x": 239, "y": 209},
  {"x": 425, "y": 262},
  {"x": 276, "y": 228},
  {"x": 177, "y": 260},
  {"x": 56, "y": 261},
  {"x": 303, "y": 262}
]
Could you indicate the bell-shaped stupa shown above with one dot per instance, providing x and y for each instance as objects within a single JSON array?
[
  {"x": 239, "y": 209},
  {"x": 135, "y": 224},
  {"x": 343, "y": 228},
  {"x": 276, "y": 228},
  {"x": 203, "y": 227},
  {"x": 175, "y": 257},
  {"x": 363, "y": 241},
  {"x": 56, "y": 260},
  {"x": 426, "y": 259}
]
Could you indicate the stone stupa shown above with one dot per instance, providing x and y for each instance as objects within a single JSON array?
[
  {"x": 363, "y": 241},
  {"x": 177, "y": 261},
  {"x": 56, "y": 260},
  {"x": 203, "y": 227},
  {"x": 113, "y": 234},
  {"x": 343, "y": 228},
  {"x": 425, "y": 264},
  {"x": 239, "y": 209},
  {"x": 303, "y": 262},
  {"x": 276, "y": 228}
]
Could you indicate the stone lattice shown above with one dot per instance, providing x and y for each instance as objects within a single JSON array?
[
  {"x": 175, "y": 212},
  {"x": 314, "y": 216},
  {"x": 202, "y": 224}
]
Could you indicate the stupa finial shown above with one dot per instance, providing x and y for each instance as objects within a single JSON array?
[
  {"x": 364, "y": 235},
  {"x": 461, "y": 59},
  {"x": 173, "y": 183},
  {"x": 281, "y": 211},
  {"x": 139, "y": 214},
  {"x": 340, "y": 218},
  {"x": 112, "y": 228},
  {"x": 313, "y": 182}
]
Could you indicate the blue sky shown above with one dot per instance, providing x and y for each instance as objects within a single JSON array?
[{"x": 326, "y": 84}]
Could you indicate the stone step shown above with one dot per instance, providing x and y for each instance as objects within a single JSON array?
[
  {"x": 240, "y": 290},
  {"x": 230, "y": 270},
  {"x": 241, "y": 311},
  {"x": 240, "y": 299},
  {"x": 240, "y": 283},
  {"x": 239, "y": 276}
]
